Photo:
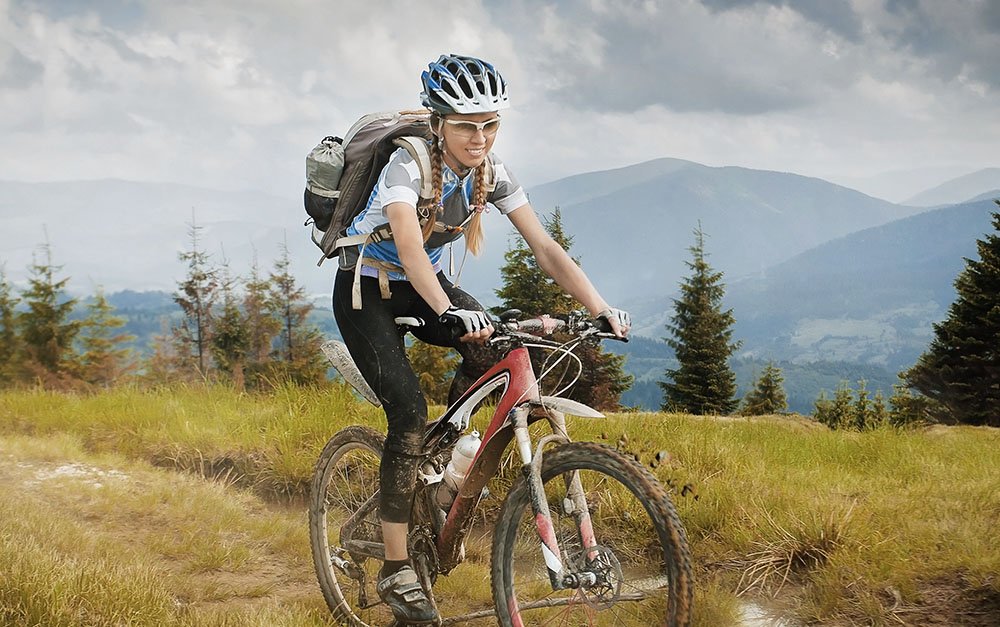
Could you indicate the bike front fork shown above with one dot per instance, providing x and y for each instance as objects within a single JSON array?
[{"x": 574, "y": 502}]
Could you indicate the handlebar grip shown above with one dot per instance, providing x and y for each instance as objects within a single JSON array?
[{"x": 603, "y": 325}]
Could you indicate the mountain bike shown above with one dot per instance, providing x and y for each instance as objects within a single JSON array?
[{"x": 585, "y": 536}]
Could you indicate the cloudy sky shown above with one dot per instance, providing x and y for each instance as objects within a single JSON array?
[{"x": 232, "y": 94}]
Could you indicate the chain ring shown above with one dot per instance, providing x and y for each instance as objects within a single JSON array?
[{"x": 423, "y": 552}]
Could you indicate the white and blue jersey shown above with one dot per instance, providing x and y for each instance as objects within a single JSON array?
[{"x": 399, "y": 181}]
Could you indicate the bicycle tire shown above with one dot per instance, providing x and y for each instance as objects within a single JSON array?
[
  {"x": 345, "y": 477},
  {"x": 518, "y": 568}
]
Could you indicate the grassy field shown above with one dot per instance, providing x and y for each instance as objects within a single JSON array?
[{"x": 833, "y": 528}]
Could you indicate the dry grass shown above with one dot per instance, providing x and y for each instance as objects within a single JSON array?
[
  {"x": 99, "y": 540},
  {"x": 790, "y": 552},
  {"x": 884, "y": 527}
]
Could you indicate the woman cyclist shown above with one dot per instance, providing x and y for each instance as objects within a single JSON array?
[{"x": 465, "y": 96}]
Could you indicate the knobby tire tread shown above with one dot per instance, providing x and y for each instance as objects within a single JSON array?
[
  {"x": 642, "y": 483},
  {"x": 356, "y": 434}
]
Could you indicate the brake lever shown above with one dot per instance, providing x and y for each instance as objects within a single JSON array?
[
  {"x": 602, "y": 328},
  {"x": 611, "y": 336}
]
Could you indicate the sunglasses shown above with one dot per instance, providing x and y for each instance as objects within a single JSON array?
[{"x": 466, "y": 129}]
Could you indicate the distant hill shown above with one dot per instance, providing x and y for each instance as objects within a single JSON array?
[
  {"x": 633, "y": 239},
  {"x": 961, "y": 189},
  {"x": 126, "y": 235},
  {"x": 990, "y": 195},
  {"x": 859, "y": 307},
  {"x": 899, "y": 185},
  {"x": 869, "y": 297}
]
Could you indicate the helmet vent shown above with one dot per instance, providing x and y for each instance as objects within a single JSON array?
[{"x": 460, "y": 84}]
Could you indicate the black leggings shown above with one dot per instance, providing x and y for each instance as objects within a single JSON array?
[{"x": 376, "y": 345}]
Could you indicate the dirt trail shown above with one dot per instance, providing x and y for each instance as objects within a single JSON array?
[{"x": 112, "y": 506}]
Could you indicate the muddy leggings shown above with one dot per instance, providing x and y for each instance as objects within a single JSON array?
[{"x": 376, "y": 345}]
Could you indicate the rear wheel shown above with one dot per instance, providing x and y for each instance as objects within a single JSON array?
[
  {"x": 639, "y": 573},
  {"x": 345, "y": 481}
]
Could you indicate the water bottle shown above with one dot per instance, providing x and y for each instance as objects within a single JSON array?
[{"x": 454, "y": 473}]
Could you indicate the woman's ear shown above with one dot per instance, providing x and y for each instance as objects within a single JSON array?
[{"x": 436, "y": 123}]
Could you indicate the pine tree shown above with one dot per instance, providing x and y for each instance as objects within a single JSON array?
[
  {"x": 841, "y": 414},
  {"x": 603, "y": 380},
  {"x": 526, "y": 287},
  {"x": 880, "y": 413},
  {"x": 197, "y": 296},
  {"x": 298, "y": 345},
  {"x": 46, "y": 331},
  {"x": 861, "y": 413},
  {"x": 823, "y": 411},
  {"x": 262, "y": 327},
  {"x": 768, "y": 393},
  {"x": 703, "y": 383},
  {"x": 103, "y": 357},
  {"x": 434, "y": 366},
  {"x": 9, "y": 341},
  {"x": 907, "y": 408},
  {"x": 230, "y": 337},
  {"x": 163, "y": 366},
  {"x": 960, "y": 371}
]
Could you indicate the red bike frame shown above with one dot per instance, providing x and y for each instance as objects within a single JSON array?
[{"x": 519, "y": 406}]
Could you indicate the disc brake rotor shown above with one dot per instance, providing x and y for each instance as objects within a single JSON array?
[{"x": 602, "y": 563}]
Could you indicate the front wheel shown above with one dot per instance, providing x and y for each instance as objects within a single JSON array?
[{"x": 638, "y": 572}]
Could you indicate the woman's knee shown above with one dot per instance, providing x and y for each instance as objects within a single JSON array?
[
  {"x": 397, "y": 482},
  {"x": 407, "y": 420}
]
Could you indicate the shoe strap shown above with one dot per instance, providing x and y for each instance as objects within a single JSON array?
[{"x": 402, "y": 581}]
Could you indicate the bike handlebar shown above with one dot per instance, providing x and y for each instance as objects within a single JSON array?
[{"x": 509, "y": 326}]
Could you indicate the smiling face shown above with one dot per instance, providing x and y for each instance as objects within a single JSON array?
[{"x": 466, "y": 145}]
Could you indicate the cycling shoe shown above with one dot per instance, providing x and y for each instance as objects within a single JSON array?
[{"x": 405, "y": 597}]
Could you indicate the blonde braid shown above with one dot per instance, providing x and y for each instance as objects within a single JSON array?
[
  {"x": 437, "y": 184},
  {"x": 474, "y": 231}
]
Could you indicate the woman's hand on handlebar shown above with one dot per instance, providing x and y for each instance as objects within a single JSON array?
[
  {"x": 470, "y": 324},
  {"x": 619, "y": 320}
]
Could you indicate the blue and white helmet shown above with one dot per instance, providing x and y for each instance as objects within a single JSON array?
[{"x": 457, "y": 84}]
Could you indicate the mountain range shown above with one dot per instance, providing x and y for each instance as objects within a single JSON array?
[
  {"x": 631, "y": 226},
  {"x": 867, "y": 297},
  {"x": 814, "y": 271},
  {"x": 632, "y": 230},
  {"x": 968, "y": 187}
]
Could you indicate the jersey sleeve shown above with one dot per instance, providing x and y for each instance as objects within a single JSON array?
[
  {"x": 400, "y": 181},
  {"x": 508, "y": 194}
]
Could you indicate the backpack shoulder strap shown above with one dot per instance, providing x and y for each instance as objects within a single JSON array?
[{"x": 417, "y": 147}]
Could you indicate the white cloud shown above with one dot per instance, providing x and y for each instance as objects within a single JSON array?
[{"x": 234, "y": 94}]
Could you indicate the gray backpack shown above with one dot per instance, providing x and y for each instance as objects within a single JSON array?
[{"x": 341, "y": 173}]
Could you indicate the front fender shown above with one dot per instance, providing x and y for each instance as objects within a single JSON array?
[{"x": 567, "y": 406}]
